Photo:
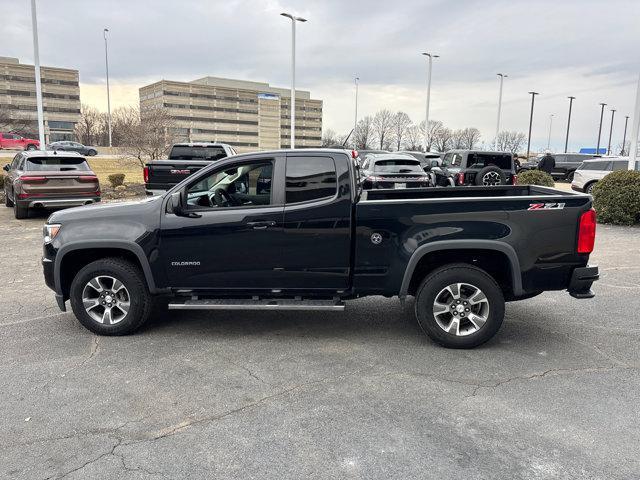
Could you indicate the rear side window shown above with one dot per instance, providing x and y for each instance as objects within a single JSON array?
[
  {"x": 186, "y": 152},
  {"x": 595, "y": 165},
  {"x": 310, "y": 178},
  {"x": 57, "y": 164},
  {"x": 485, "y": 159}
]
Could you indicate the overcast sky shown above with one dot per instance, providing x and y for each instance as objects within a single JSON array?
[{"x": 589, "y": 49}]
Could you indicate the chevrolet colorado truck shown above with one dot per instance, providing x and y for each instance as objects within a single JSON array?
[
  {"x": 293, "y": 230},
  {"x": 184, "y": 159}
]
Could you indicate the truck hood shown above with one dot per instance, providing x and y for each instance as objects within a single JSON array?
[{"x": 140, "y": 209}]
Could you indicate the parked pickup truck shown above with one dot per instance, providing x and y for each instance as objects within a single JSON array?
[
  {"x": 184, "y": 160},
  {"x": 292, "y": 230}
]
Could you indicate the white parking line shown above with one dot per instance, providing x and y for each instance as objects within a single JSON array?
[{"x": 27, "y": 320}]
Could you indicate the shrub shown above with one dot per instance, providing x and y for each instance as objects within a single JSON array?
[
  {"x": 535, "y": 177},
  {"x": 116, "y": 179},
  {"x": 616, "y": 198}
]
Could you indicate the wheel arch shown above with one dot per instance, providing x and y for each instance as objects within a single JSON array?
[
  {"x": 433, "y": 255},
  {"x": 72, "y": 257}
]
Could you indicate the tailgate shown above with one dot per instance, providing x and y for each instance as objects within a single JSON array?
[
  {"x": 59, "y": 184},
  {"x": 164, "y": 175}
]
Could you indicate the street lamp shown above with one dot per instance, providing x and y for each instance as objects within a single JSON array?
[
  {"x": 635, "y": 130},
  {"x": 600, "y": 127},
  {"x": 533, "y": 99},
  {"x": 294, "y": 19},
  {"x": 502, "y": 77},
  {"x": 426, "y": 120},
  {"x": 36, "y": 57},
  {"x": 566, "y": 140},
  {"x": 624, "y": 136},
  {"x": 355, "y": 121},
  {"x": 613, "y": 112},
  {"x": 106, "y": 62},
  {"x": 550, "y": 124}
]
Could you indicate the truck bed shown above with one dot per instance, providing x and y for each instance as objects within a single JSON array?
[{"x": 505, "y": 191}]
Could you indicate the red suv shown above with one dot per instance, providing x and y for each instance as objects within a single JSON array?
[{"x": 16, "y": 142}]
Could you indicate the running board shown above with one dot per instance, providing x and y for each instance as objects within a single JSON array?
[{"x": 258, "y": 304}]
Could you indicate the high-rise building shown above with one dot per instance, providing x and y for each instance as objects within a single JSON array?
[
  {"x": 247, "y": 115},
  {"x": 60, "y": 98}
]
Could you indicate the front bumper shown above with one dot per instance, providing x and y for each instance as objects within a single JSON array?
[
  {"x": 581, "y": 280},
  {"x": 48, "y": 267}
]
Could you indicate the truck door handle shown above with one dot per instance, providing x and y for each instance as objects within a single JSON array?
[{"x": 262, "y": 225}]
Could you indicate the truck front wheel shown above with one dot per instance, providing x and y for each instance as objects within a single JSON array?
[
  {"x": 459, "y": 306},
  {"x": 110, "y": 297}
]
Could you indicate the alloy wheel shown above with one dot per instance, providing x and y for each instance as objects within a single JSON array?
[
  {"x": 461, "y": 309},
  {"x": 106, "y": 300},
  {"x": 491, "y": 178}
]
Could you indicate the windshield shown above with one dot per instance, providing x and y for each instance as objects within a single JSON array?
[
  {"x": 397, "y": 166},
  {"x": 56, "y": 164},
  {"x": 186, "y": 152}
]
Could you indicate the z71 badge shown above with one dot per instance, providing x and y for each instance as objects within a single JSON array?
[{"x": 546, "y": 206}]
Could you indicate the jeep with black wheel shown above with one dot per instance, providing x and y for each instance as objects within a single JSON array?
[{"x": 474, "y": 167}]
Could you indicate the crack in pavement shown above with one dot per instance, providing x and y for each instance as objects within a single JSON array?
[{"x": 87, "y": 463}]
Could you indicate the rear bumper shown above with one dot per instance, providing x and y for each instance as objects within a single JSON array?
[
  {"x": 575, "y": 188},
  {"x": 58, "y": 202},
  {"x": 581, "y": 280}
]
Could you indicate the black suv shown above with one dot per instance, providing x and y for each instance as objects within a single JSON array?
[
  {"x": 474, "y": 167},
  {"x": 566, "y": 164}
]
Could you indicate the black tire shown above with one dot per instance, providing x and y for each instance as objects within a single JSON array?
[
  {"x": 30, "y": 147},
  {"x": 589, "y": 187},
  {"x": 20, "y": 211},
  {"x": 140, "y": 299},
  {"x": 569, "y": 176},
  {"x": 92, "y": 153},
  {"x": 7, "y": 201},
  {"x": 496, "y": 174},
  {"x": 436, "y": 282}
]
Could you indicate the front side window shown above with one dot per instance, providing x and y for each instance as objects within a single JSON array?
[
  {"x": 239, "y": 186},
  {"x": 310, "y": 178},
  {"x": 595, "y": 165}
]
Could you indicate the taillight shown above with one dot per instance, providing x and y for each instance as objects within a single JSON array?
[
  {"x": 587, "y": 231},
  {"x": 145, "y": 174},
  {"x": 460, "y": 178},
  {"x": 514, "y": 179},
  {"x": 87, "y": 178},
  {"x": 354, "y": 154},
  {"x": 31, "y": 179}
]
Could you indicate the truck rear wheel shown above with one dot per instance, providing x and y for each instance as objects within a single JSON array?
[
  {"x": 110, "y": 297},
  {"x": 459, "y": 306}
]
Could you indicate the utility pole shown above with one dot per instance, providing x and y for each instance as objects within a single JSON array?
[
  {"x": 549, "y": 137},
  {"x": 355, "y": 121},
  {"x": 600, "y": 127},
  {"x": 106, "y": 62},
  {"x": 426, "y": 120},
  {"x": 624, "y": 137},
  {"x": 294, "y": 19},
  {"x": 635, "y": 130},
  {"x": 36, "y": 56},
  {"x": 566, "y": 140},
  {"x": 613, "y": 112},
  {"x": 502, "y": 77},
  {"x": 533, "y": 99}
]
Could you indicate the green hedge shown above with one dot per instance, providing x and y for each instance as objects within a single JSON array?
[
  {"x": 616, "y": 198},
  {"x": 535, "y": 177}
]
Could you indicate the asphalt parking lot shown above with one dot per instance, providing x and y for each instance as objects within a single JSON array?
[{"x": 359, "y": 394}]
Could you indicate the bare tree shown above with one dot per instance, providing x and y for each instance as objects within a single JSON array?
[
  {"x": 151, "y": 136},
  {"x": 401, "y": 123},
  {"x": 10, "y": 122},
  {"x": 363, "y": 136},
  {"x": 442, "y": 139},
  {"x": 457, "y": 139},
  {"x": 510, "y": 141},
  {"x": 414, "y": 137},
  {"x": 470, "y": 137},
  {"x": 435, "y": 126},
  {"x": 383, "y": 127},
  {"x": 89, "y": 126},
  {"x": 329, "y": 138},
  {"x": 123, "y": 120}
]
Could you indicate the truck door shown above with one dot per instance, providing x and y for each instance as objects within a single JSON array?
[
  {"x": 317, "y": 223},
  {"x": 232, "y": 237}
]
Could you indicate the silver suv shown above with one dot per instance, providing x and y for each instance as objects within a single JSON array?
[{"x": 591, "y": 171}]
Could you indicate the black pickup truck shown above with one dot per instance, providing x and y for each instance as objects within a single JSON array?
[
  {"x": 293, "y": 230},
  {"x": 184, "y": 160}
]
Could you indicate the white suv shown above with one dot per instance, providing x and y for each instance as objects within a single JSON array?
[{"x": 590, "y": 171}]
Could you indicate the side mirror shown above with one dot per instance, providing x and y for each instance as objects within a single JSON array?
[
  {"x": 434, "y": 163},
  {"x": 7, "y": 167},
  {"x": 174, "y": 205}
]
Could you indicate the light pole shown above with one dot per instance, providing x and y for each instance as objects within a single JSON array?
[
  {"x": 566, "y": 140},
  {"x": 106, "y": 63},
  {"x": 36, "y": 57},
  {"x": 430, "y": 56},
  {"x": 635, "y": 130},
  {"x": 550, "y": 124},
  {"x": 624, "y": 136},
  {"x": 355, "y": 121},
  {"x": 613, "y": 112},
  {"x": 502, "y": 77},
  {"x": 294, "y": 19},
  {"x": 533, "y": 99},
  {"x": 600, "y": 127}
]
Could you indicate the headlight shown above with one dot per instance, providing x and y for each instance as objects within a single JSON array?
[{"x": 50, "y": 231}]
